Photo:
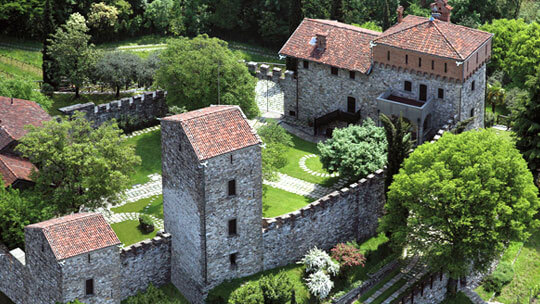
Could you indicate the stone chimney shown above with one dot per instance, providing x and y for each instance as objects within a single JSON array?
[
  {"x": 321, "y": 40},
  {"x": 441, "y": 10},
  {"x": 399, "y": 11}
]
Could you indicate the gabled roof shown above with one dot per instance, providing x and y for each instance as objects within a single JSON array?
[
  {"x": 14, "y": 116},
  {"x": 434, "y": 37},
  {"x": 216, "y": 130},
  {"x": 76, "y": 234},
  {"x": 347, "y": 46},
  {"x": 13, "y": 168}
]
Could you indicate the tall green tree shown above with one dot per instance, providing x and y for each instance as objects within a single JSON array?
[
  {"x": 398, "y": 137},
  {"x": 48, "y": 27},
  {"x": 78, "y": 165},
  {"x": 276, "y": 141},
  {"x": 202, "y": 71},
  {"x": 103, "y": 18},
  {"x": 71, "y": 49},
  {"x": 355, "y": 151},
  {"x": 526, "y": 127},
  {"x": 462, "y": 211}
]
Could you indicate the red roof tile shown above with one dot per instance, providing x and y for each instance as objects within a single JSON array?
[
  {"x": 13, "y": 118},
  {"x": 13, "y": 168},
  {"x": 347, "y": 46},
  {"x": 216, "y": 130},
  {"x": 76, "y": 234},
  {"x": 434, "y": 37}
]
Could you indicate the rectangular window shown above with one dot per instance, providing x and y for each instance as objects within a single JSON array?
[
  {"x": 232, "y": 259},
  {"x": 472, "y": 86},
  {"x": 292, "y": 113},
  {"x": 89, "y": 287},
  {"x": 445, "y": 67},
  {"x": 89, "y": 259},
  {"x": 231, "y": 158},
  {"x": 352, "y": 74},
  {"x": 419, "y": 62},
  {"x": 441, "y": 93},
  {"x": 232, "y": 187},
  {"x": 306, "y": 64},
  {"x": 351, "y": 104},
  {"x": 406, "y": 59},
  {"x": 407, "y": 86},
  {"x": 334, "y": 70},
  {"x": 232, "y": 227},
  {"x": 472, "y": 112},
  {"x": 388, "y": 56},
  {"x": 433, "y": 64}
]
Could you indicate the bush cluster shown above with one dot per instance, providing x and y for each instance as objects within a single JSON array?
[
  {"x": 348, "y": 255},
  {"x": 146, "y": 223},
  {"x": 268, "y": 290},
  {"x": 500, "y": 277}
]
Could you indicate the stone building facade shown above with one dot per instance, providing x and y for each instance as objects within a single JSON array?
[{"x": 427, "y": 70}]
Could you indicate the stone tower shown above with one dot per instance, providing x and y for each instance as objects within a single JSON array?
[{"x": 212, "y": 195}]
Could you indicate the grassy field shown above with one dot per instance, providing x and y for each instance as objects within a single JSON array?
[
  {"x": 277, "y": 202},
  {"x": 33, "y": 58},
  {"x": 151, "y": 205},
  {"x": 128, "y": 232},
  {"x": 295, "y": 273},
  {"x": 299, "y": 149},
  {"x": 148, "y": 148}
]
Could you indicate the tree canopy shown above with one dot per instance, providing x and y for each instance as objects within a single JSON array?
[
  {"x": 192, "y": 69},
  {"x": 78, "y": 165},
  {"x": 23, "y": 89},
  {"x": 276, "y": 141},
  {"x": 355, "y": 151},
  {"x": 118, "y": 69},
  {"x": 467, "y": 196}
]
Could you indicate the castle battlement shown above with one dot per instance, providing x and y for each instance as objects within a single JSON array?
[
  {"x": 263, "y": 71},
  {"x": 161, "y": 240}
]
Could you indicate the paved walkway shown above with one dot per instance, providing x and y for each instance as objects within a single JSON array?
[
  {"x": 143, "y": 131},
  {"x": 394, "y": 280},
  {"x": 301, "y": 187},
  {"x": 302, "y": 164}
]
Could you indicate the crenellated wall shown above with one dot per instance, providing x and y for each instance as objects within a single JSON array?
[
  {"x": 348, "y": 214},
  {"x": 145, "y": 262},
  {"x": 133, "y": 112}
]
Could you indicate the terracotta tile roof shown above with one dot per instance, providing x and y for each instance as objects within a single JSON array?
[
  {"x": 13, "y": 118},
  {"x": 347, "y": 46},
  {"x": 216, "y": 130},
  {"x": 76, "y": 234},
  {"x": 434, "y": 37},
  {"x": 13, "y": 168}
]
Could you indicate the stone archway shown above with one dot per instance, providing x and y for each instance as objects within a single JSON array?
[{"x": 269, "y": 96}]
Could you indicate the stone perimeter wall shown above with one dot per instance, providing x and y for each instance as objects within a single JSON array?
[
  {"x": 349, "y": 214},
  {"x": 136, "y": 111},
  {"x": 15, "y": 277}
]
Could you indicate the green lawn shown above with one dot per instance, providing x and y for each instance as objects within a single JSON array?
[
  {"x": 277, "y": 202},
  {"x": 148, "y": 148},
  {"x": 296, "y": 275},
  {"x": 298, "y": 150},
  {"x": 377, "y": 286},
  {"x": 129, "y": 233},
  {"x": 527, "y": 272},
  {"x": 387, "y": 293},
  {"x": 151, "y": 205},
  {"x": 34, "y": 58},
  {"x": 460, "y": 298},
  {"x": 64, "y": 100},
  {"x": 14, "y": 70}
]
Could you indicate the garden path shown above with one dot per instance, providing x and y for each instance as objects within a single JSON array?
[{"x": 301, "y": 187}]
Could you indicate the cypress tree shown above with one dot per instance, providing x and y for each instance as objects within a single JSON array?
[
  {"x": 399, "y": 145},
  {"x": 48, "y": 27},
  {"x": 295, "y": 18}
]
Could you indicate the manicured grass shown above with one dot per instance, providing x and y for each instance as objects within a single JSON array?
[
  {"x": 387, "y": 293},
  {"x": 278, "y": 202},
  {"x": 64, "y": 100},
  {"x": 296, "y": 274},
  {"x": 129, "y": 233},
  {"x": 527, "y": 271},
  {"x": 148, "y": 148},
  {"x": 293, "y": 154},
  {"x": 314, "y": 164},
  {"x": 154, "y": 204},
  {"x": 460, "y": 298}
]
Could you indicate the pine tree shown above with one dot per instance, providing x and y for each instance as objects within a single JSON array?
[
  {"x": 48, "y": 27},
  {"x": 295, "y": 18},
  {"x": 399, "y": 145}
]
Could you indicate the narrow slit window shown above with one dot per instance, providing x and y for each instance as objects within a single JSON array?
[
  {"x": 334, "y": 70},
  {"x": 232, "y": 259},
  {"x": 419, "y": 62},
  {"x": 441, "y": 93},
  {"x": 232, "y": 227},
  {"x": 352, "y": 74},
  {"x": 473, "y": 86},
  {"x": 306, "y": 64},
  {"x": 433, "y": 64},
  {"x": 407, "y": 86},
  {"x": 476, "y": 57},
  {"x": 388, "y": 56},
  {"x": 406, "y": 59},
  {"x": 89, "y": 287},
  {"x": 445, "y": 67},
  {"x": 472, "y": 112},
  {"x": 232, "y": 159},
  {"x": 232, "y": 187}
]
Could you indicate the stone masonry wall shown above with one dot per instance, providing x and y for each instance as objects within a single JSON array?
[
  {"x": 345, "y": 215},
  {"x": 15, "y": 278},
  {"x": 243, "y": 166},
  {"x": 145, "y": 262},
  {"x": 135, "y": 111},
  {"x": 474, "y": 99},
  {"x": 103, "y": 266}
]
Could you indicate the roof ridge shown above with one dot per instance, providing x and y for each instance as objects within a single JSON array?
[
  {"x": 447, "y": 40},
  {"x": 220, "y": 108},
  {"x": 75, "y": 216},
  {"x": 356, "y": 28},
  {"x": 6, "y": 165},
  {"x": 403, "y": 29}
]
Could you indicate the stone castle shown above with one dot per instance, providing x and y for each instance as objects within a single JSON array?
[{"x": 427, "y": 70}]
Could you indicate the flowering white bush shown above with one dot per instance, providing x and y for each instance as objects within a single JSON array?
[
  {"x": 317, "y": 259},
  {"x": 319, "y": 284}
]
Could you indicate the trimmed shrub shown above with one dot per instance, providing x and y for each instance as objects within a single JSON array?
[
  {"x": 348, "y": 256},
  {"x": 146, "y": 223},
  {"x": 500, "y": 277},
  {"x": 276, "y": 289},
  {"x": 249, "y": 293}
]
